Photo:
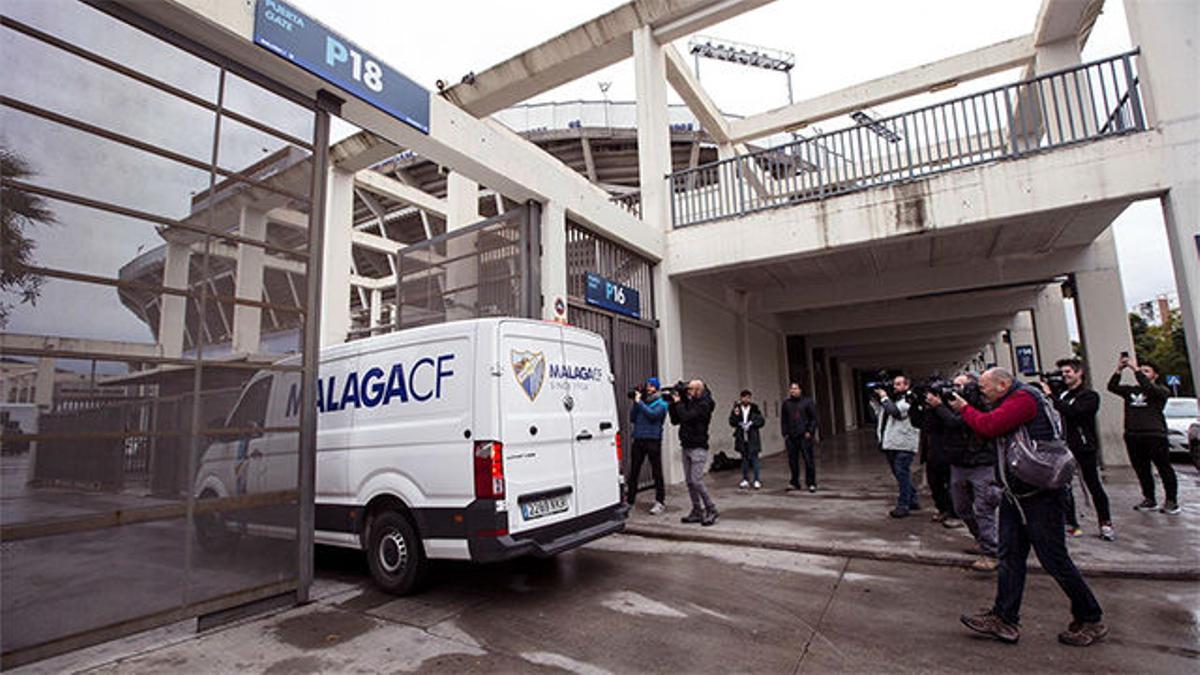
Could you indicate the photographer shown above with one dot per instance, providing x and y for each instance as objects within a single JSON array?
[
  {"x": 746, "y": 420},
  {"x": 798, "y": 425},
  {"x": 1146, "y": 431},
  {"x": 1078, "y": 405},
  {"x": 692, "y": 412},
  {"x": 647, "y": 414},
  {"x": 898, "y": 439},
  {"x": 973, "y": 488}
]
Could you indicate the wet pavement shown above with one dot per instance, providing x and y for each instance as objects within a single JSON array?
[{"x": 848, "y": 515}]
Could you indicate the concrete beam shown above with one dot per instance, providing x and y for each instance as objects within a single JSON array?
[
  {"x": 587, "y": 48},
  {"x": 1113, "y": 170},
  {"x": 963, "y": 306},
  {"x": 377, "y": 183},
  {"x": 986, "y": 326},
  {"x": 1066, "y": 19},
  {"x": 680, "y": 76},
  {"x": 375, "y": 242},
  {"x": 21, "y": 344},
  {"x": 945, "y": 72}
]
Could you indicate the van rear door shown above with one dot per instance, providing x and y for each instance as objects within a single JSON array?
[
  {"x": 539, "y": 469},
  {"x": 594, "y": 421}
]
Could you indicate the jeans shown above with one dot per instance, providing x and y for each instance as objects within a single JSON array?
[
  {"x": 976, "y": 496},
  {"x": 1089, "y": 470},
  {"x": 1043, "y": 531},
  {"x": 643, "y": 449},
  {"x": 1147, "y": 450},
  {"x": 694, "y": 460},
  {"x": 797, "y": 445},
  {"x": 901, "y": 464},
  {"x": 938, "y": 476},
  {"x": 750, "y": 460}
]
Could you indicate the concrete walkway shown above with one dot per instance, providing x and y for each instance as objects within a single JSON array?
[{"x": 848, "y": 517}]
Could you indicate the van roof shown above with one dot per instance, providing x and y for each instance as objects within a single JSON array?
[{"x": 433, "y": 330}]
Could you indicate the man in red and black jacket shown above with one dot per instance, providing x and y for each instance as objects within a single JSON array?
[{"x": 1028, "y": 517}]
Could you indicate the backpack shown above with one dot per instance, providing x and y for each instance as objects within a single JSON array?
[{"x": 1046, "y": 465}]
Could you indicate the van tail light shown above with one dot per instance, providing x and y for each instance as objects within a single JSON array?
[
  {"x": 620, "y": 450},
  {"x": 489, "y": 470}
]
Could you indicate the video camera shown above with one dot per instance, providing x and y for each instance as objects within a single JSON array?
[
  {"x": 938, "y": 386},
  {"x": 881, "y": 381},
  {"x": 1055, "y": 380},
  {"x": 677, "y": 390}
]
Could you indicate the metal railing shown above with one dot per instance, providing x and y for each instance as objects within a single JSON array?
[{"x": 1084, "y": 103}]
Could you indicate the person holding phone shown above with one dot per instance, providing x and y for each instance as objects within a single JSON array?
[{"x": 1146, "y": 431}]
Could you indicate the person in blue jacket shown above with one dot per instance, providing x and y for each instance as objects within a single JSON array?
[{"x": 647, "y": 414}]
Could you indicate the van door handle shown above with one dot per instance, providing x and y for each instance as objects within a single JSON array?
[
  {"x": 584, "y": 436},
  {"x": 605, "y": 426}
]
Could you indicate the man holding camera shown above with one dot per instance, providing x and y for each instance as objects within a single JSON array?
[
  {"x": 1029, "y": 517},
  {"x": 693, "y": 412},
  {"x": 798, "y": 424},
  {"x": 1146, "y": 431},
  {"x": 898, "y": 439},
  {"x": 746, "y": 420},
  {"x": 1077, "y": 405},
  {"x": 973, "y": 488},
  {"x": 647, "y": 414}
]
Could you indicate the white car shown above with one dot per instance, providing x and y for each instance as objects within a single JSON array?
[
  {"x": 471, "y": 440},
  {"x": 1180, "y": 413}
]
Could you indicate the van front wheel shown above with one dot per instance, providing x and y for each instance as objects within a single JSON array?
[{"x": 394, "y": 554}]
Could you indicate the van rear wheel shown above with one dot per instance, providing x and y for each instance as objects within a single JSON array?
[{"x": 394, "y": 554}]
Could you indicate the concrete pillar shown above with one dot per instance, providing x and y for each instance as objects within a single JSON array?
[
  {"x": 462, "y": 209},
  {"x": 172, "y": 315},
  {"x": 1004, "y": 354},
  {"x": 554, "y": 262},
  {"x": 1168, "y": 34},
  {"x": 44, "y": 393},
  {"x": 335, "y": 274},
  {"x": 846, "y": 378},
  {"x": 742, "y": 338},
  {"x": 1050, "y": 327},
  {"x": 1104, "y": 333},
  {"x": 248, "y": 283},
  {"x": 1069, "y": 120},
  {"x": 376, "y": 307}
]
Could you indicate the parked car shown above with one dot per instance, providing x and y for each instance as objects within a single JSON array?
[{"x": 1181, "y": 413}]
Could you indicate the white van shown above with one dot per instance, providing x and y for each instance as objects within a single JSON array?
[{"x": 471, "y": 440}]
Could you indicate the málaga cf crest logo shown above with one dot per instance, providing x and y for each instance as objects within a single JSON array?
[{"x": 530, "y": 371}]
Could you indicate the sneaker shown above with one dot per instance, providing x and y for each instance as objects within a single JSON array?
[
  {"x": 710, "y": 517},
  {"x": 984, "y": 564},
  {"x": 952, "y": 523},
  {"x": 744, "y": 484},
  {"x": 898, "y": 513},
  {"x": 693, "y": 517},
  {"x": 657, "y": 509},
  {"x": 757, "y": 485},
  {"x": 1146, "y": 505},
  {"x": 812, "y": 488},
  {"x": 1171, "y": 508},
  {"x": 1074, "y": 532},
  {"x": 1107, "y": 533},
  {"x": 793, "y": 486},
  {"x": 988, "y": 623},
  {"x": 938, "y": 517},
  {"x": 1083, "y": 633}
]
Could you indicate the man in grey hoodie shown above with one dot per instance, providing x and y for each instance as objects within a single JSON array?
[{"x": 898, "y": 439}]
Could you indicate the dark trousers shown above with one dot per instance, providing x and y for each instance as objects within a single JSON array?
[
  {"x": 1043, "y": 531},
  {"x": 796, "y": 446},
  {"x": 901, "y": 465},
  {"x": 938, "y": 476},
  {"x": 1089, "y": 470},
  {"x": 645, "y": 448},
  {"x": 1145, "y": 451}
]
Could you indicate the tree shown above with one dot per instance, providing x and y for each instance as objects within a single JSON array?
[
  {"x": 18, "y": 210},
  {"x": 1165, "y": 345}
]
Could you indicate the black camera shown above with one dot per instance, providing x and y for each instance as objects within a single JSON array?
[
  {"x": 675, "y": 391},
  {"x": 882, "y": 381},
  {"x": 939, "y": 387},
  {"x": 1055, "y": 380}
]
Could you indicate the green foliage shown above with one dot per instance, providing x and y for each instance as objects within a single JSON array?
[
  {"x": 18, "y": 209},
  {"x": 1164, "y": 345}
]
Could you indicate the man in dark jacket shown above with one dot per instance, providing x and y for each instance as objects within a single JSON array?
[
  {"x": 746, "y": 420},
  {"x": 693, "y": 413},
  {"x": 1146, "y": 432},
  {"x": 973, "y": 488},
  {"x": 647, "y": 415},
  {"x": 798, "y": 424},
  {"x": 1028, "y": 517},
  {"x": 1078, "y": 405}
]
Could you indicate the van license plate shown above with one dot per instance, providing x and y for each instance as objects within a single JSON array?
[{"x": 545, "y": 507}]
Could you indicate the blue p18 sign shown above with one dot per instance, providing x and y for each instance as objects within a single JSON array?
[{"x": 287, "y": 32}]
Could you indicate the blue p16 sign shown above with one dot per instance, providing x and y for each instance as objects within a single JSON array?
[
  {"x": 613, "y": 296},
  {"x": 287, "y": 32}
]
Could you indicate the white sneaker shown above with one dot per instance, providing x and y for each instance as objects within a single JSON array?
[
  {"x": 757, "y": 485},
  {"x": 1107, "y": 533},
  {"x": 744, "y": 484},
  {"x": 657, "y": 509}
]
